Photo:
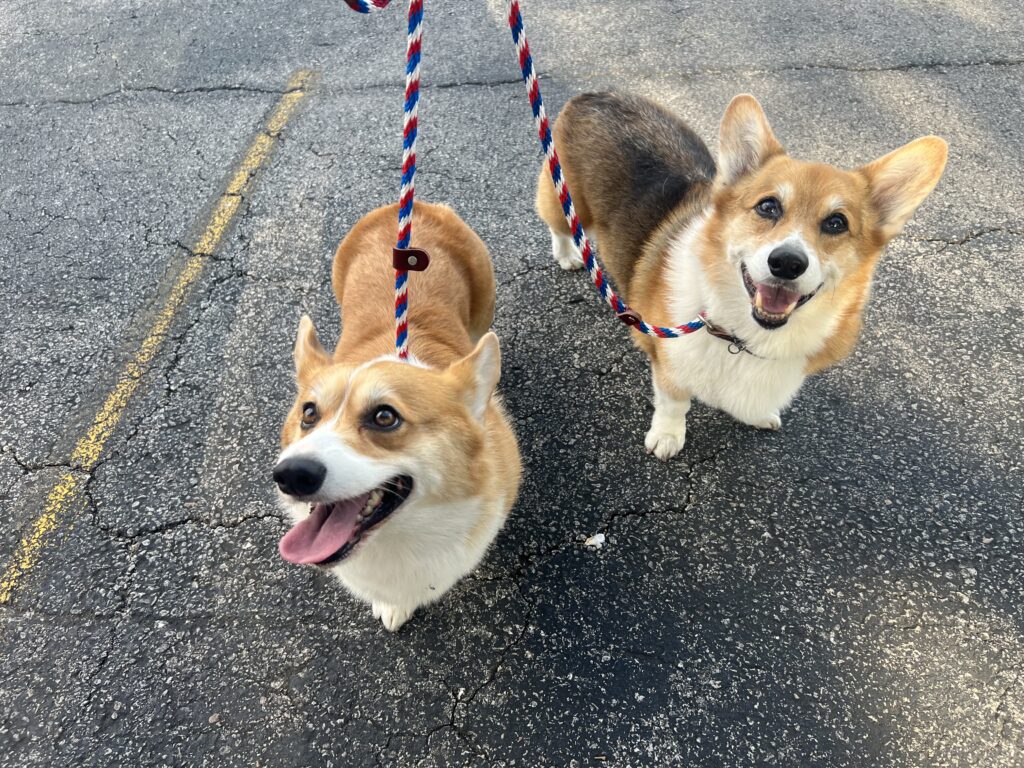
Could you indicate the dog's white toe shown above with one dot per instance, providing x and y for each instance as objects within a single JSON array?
[
  {"x": 773, "y": 422},
  {"x": 570, "y": 264},
  {"x": 391, "y": 616},
  {"x": 665, "y": 443},
  {"x": 565, "y": 252}
]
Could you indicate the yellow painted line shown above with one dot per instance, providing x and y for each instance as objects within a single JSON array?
[{"x": 89, "y": 448}]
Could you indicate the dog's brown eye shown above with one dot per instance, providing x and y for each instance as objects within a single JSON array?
[
  {"x": 769, "y": 208},
  {"x": 385, "y": 417},
  {"x": 835, "y": 224},
  {"x": 310, "y": 415}
]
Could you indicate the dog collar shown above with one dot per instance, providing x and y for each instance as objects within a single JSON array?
[{"x": 736, "y": 344}]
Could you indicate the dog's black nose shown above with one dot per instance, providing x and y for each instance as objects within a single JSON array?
[
  {"x": 299, "y": 476},
  {"x": 786, "y": 263}
]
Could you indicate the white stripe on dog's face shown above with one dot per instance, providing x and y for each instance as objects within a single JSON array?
[{"x": 348, "y": 473}]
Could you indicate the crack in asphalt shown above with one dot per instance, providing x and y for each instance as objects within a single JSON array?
[
  {"x": 129, "y": 90},
  {"x": 132, "y": 534},
  {"x": 120, "y": 614},
  {"x": 520, "y": 578},
  {"x": 247, "y": 89},
  {"x": 28, "y": 468},
  {"x": 999, "y": 712},
  {"x": 500, "y": 662},
  {"x": 480, "y": 83},
  {"x": 938, "y": 64},
  {"x": 935, "y": 64},
  {"x": 967, "y": 237},
  {"x": 691, "y": 471}
]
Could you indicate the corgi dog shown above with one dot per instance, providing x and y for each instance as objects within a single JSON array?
[
  {"x": 777, "y": 253},
  {"x": 399, "y": 474}
]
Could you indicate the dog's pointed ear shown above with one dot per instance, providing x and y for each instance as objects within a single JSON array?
[
  {"x": 745, "y": 140},
  {"x": 309, "y": 353},
  {"x": 476, "y": 375},
  {"x": 900, "y": 181}
]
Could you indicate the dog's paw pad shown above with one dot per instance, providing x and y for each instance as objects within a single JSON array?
[
  {"x": 391, "y": 616},
  {"x": 664, "y": 444}
]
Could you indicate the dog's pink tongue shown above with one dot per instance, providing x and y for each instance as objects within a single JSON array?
[
  {"x": 775, "y": 298},
  {"x": 328, "y": 528}
]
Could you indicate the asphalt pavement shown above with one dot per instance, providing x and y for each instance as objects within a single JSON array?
[{"x": 845, "y": 592}]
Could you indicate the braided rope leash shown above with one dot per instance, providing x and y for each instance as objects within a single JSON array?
[
  {"x": 407, "y": 193},
  {"x": 625, "y": 313},
  {"x": 365, "y": 6},
  {"x": 405, "y": 259}
]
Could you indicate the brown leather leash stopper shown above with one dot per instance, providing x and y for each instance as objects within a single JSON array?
[{"x": 410, "y": 259}]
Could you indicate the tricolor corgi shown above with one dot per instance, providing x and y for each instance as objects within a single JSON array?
[
  {"x": 399, "y": 475},
  {"x": 777, "y": 252}
]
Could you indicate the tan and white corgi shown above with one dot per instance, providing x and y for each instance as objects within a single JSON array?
[
  {"x": 779, "y": 253},
  {"x": 400, "y": 474}
]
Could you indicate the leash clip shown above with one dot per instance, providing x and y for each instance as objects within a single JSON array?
[
  {"x": 410, "y": 259},
  {"x": 736, "y": 346}
]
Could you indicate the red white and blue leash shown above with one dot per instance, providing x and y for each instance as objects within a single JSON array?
[
  {"x": 406, "y": 258},
  {"x": 407, "y": 193}
]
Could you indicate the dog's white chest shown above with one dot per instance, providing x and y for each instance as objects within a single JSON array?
[
  {"x": 749, "y": 388},
  {"x": 752, "y": 388}
]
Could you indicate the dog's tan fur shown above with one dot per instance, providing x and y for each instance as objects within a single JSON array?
[
  {"x": 452, "y": 427},
  {"x": 647, "y": 187}
]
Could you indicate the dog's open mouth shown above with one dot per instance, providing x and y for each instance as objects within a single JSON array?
[
  {"x": 332, "y": 530},
  {"x": 772, "y": 303}
]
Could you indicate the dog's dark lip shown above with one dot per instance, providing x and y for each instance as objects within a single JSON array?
[
  {"x": 396, "y": 491},
  {"x": 748, "y": 281},
  {"x": 765, "y": 322}
]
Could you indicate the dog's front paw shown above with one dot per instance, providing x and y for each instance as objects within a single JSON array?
[
  {"x": 665, "y": 443},
  {"x": 565, "y": 253},
  {"x": 772, "y": 422},
  {"x": 391, "y": 616},
  {"x": 569, "y": 263}
]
